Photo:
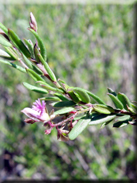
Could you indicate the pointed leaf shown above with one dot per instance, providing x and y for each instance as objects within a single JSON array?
[
  {"x": 120, "y": 124},
  {"x": 124, "y": 100},
  {"x": 52, "y": 99},
  {"x": 65, "y": 104},
  {"x": 116, "y": 101},
  {"x": 134, "y": 107},
  {"x": 112, "y": 92},
  {"x": 78, "y": 128},
  {"x": 123, "y": 118},
  {"x": 3, "y": 53},
  {"x": 61, "y": 97},
  {"x": 130, "y": 109},
  {"x": 30, "y": 46},
  {"x": 49, "y": 87},
  {"x": 12, "y": 53},
  {"x": 13, "y": 65},
  {"x": 84, "y": 97},
  {"x": 103, "y": 109},
  {"x": 18, "y": 42},
  {"x": 34, "y": 88},
  {"x": 41, "y": 44},
  {"x": 39, "y": 58},
  {"x": 3, "y": 28},
  {"x": 4, "y": 42},
  {"x": 101, "y": 119},
  {"x": 95, "y": 97},
  {"x": 64, "y": 110},
  {"x": 73, "y": 96},
  {"x": 34, "y": 75}
]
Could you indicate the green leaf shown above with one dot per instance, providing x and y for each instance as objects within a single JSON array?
[
  {"x": 134, "y": 107},
  {"x": 130, "y": 109},
  {"x": 78, "y": 128},
  {"x": 123, "y": 118},
  {"x": 27, "y": 61},
  {"x": 103, "y": 109},
  {"x": 52, "y": 99},
  {"x": 79, "y": 116},
  {"x": 34, "y": 75},
  {"x": 122, "y": 121},
  {"x": 18, "y": 42},
  {"x": 95, "y": 97},
  {"x": 39, "y": 58},
  {"x": 41, "y": 44},
  {"x": 4, "y": 42},
  {"x": 63, "y": 83},
  {"x": 64, "y": 110},
  {"x": 49, "y": 87},
  {"x": 3, "y": 28},
  {"x": 3, "y": 53},
  {"x": 124, "y": 100},
  {"x": 111, "y": 92},
  {"x": 65, "y": 104},
  {"x": 116, "y": 101},
  {"x": 84, "y": 97},
  {"x": 30, "y": 46},
  {"x": 34, "y": 88},
  {"x": 101, "y": 119},
  {"x": 12, "y": 53},
  {"x": 61, "y": 97},
  {"x": 120, "y": 124},
  {"x": 73, "y": 96},
  {"x": 13, "y": 65}
]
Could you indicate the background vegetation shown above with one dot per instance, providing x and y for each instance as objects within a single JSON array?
[{"x": 89, "y": 46}]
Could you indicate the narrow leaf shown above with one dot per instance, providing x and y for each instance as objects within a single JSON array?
[
  {"x": 112, "y": 92},
  {"x": 64, "y": 110},
  {"x": 78, "y": 128},
  {"x": 48, "y": 69},
  {"x": 120, "y": 124},
  {"x": 18, "y": 42},
  {"x": 101, "y": 119},
  {"x": 3, "y": 53},
  {"x": 4, "y": 42},
  {"x": 13, "y": 65},
  {"x": 34, "y": 88},
  {"x": 95, "y": 97},
  {"x": 61, "y": 97},
  {"x": 65, "y": 104},
  {"x": 12, "y": 53},
  {"x": 30, "y": 46},
  {"x": 103, "y": 109},
  {"x": 73, "y": 96},
  {"x": 116, "y": 101},
  {"x": 134, "y": 107},
  {"x": 41, "y": 44},
  {"x": 124, "y": 100},
  {"x": 3, "y": 28},
  {"x": 49, "y": 87},
  {"x": 123, "y": 118},
  {"x": 84, "y": 97},
  {"x": 52, "y": 99},
  {"x": 35, "y": 75}
]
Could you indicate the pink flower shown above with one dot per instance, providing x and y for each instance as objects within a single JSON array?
[{"x": 37, "y": 113}]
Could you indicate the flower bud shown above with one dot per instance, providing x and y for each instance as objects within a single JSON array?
[{"x": 33, "y": 23}]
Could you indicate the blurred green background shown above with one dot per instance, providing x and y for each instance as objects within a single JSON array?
[{"x": 89, "y": 46}]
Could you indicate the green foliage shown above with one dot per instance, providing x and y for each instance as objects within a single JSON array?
[
  {"x": 79, "y": 127},
  {"x": 34, "y": 88},
  {"x": 78, "y": 51}
]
